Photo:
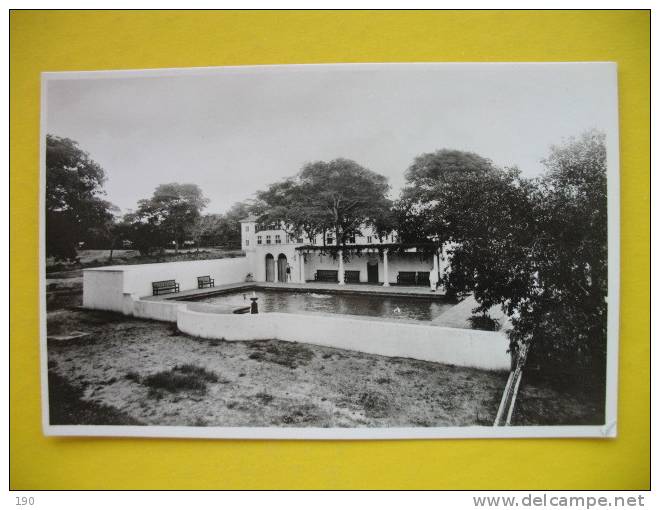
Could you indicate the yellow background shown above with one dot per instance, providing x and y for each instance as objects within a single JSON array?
[{"x": 67, "y": 41}]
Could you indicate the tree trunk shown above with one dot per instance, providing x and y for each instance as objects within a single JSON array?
[{"x": 112, "y": 248}]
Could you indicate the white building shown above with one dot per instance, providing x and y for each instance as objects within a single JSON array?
[{"x": 275, "y": 256}]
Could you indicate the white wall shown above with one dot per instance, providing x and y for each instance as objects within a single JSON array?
[
  {"x": 463, "y": 347},
  {"x": 104, "y": 287},
  {"x": 259, "y": 260},
  {"x": 103, "y": 290},
  {"x": 138, "y": 278}
]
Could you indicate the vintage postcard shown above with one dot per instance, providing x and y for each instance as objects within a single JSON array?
[{"x": 351, "y": 251}]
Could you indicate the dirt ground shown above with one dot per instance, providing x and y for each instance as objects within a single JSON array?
[
  {"x": 266, "y": 383},
  {"x": 102, "y": 378}
]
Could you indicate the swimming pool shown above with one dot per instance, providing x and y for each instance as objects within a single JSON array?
[{"x": 374, "y": 305}]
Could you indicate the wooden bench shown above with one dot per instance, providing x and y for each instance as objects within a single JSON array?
[
  {"x": 406, "y": 278},
  {"x": 424, "y": 278},
  {"x": 326, "y": 275},
  {"x": 352, "y": 276},
  {"x": 164, "y": 287},
  {"x": 205, "y": 281}
]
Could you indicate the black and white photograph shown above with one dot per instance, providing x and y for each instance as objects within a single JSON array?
[{"x": 331, "y": 251}]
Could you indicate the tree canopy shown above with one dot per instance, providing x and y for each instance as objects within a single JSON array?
[
  {"x": 538, "y": 247},
  {"x": 337, "y": 196},
  {"x": 173, "y": 210},
  {"x": 441, "y": 188},
  {"x": 75, "y": 209}
]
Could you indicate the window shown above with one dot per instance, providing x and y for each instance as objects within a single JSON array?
[
  {"x": 351, "y": 238},
  {"x": 258, "y": 239},
  {"x": 247, "y": 242},
  {"x": 329, "y": 240},
  {"x": 369, "y": 239},
  {"x": 267, "y": 239},
  {"x": 278, "y": 239},
  {"x": 247, "y": 228}
]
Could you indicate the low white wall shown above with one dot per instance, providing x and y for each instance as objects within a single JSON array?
[
  {"x": 472, "y": 348},
  {"x": 157, "y": 310},
  {"x": 104, "y": 288},
  {"x": 138, "y": 278}
]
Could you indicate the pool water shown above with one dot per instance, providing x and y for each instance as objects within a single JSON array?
[{"x": 374, "y": 305}]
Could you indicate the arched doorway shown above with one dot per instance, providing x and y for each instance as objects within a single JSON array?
[
  {"x": 281, "y": 268},
  {"x": 270, "y": 268}
]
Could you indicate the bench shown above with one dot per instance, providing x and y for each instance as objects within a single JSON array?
[
  {"x": 326, "y": 275},
  {"x": 205, "y": 281},
  {"x": 406, "y": 278},
  {"x": 164, "y": 286},
  {"x": 352, "y": 276}
]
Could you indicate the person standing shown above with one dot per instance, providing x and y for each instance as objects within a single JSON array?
[{"x": 288, "y": 272}]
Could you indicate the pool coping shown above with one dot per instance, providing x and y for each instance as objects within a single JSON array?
[{"x": 327, "y": 288}]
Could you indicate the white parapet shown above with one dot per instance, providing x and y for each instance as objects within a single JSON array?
[
  {"x": 462, "y": 347},
  {"x": 105, "y": 288}
]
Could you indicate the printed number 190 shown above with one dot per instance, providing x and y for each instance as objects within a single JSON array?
[{"x": 23, "y": 501}]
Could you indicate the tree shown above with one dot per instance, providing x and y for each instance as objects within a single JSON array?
[
  {"x": 230, "y": 232},
  {"x": 206, "y": 230},
  {"x": 539, "y": 249},
  {"x": 564, "y": 317},
  {"x": 440, "y": 187},
  {"x": 173, "y": 209},
  {"x": 75, "y": 209},
  {"x": 338, "y": 196}
]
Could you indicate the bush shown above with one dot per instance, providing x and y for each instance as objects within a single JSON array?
[
  {"x": 484, "y": 322},
  {"x": 181, "y": 378},
  {"x": 375, "y": 404}
]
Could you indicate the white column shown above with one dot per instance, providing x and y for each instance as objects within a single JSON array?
[
  {"x": 434, "y": 276},
  {"x": 441, "y": 257},
  {"x": 301, "y": 255},
  {"x": 386, "y": 270},
  {"x": 340, "y": 254}
]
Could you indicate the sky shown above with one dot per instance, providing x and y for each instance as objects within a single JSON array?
[{"x": 233, "y": 131}]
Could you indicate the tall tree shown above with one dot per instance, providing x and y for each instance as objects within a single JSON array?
[
  {"x": 337, "y": 196},
  {"x": 565, "y": 316},
  {"x": 174, "y": 208},
  {"x": 536, "y": 247},
  {"x": 75, "y": 209},
  {"x": 439, "y": 187}
]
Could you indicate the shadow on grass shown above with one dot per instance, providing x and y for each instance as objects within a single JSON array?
[{"x": 66, "y": 406}]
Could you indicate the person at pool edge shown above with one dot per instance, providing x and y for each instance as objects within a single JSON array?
[{"x": 288, "y": 273}]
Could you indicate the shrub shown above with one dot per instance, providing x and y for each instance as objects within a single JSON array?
[
  {"x": 264, "y": 398},
  {"x": 484, "y": 322},
  {"x": 181, "y": 378},
  {"x": 374, "y": 404},
  {"x": 133, "y": 376}
]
